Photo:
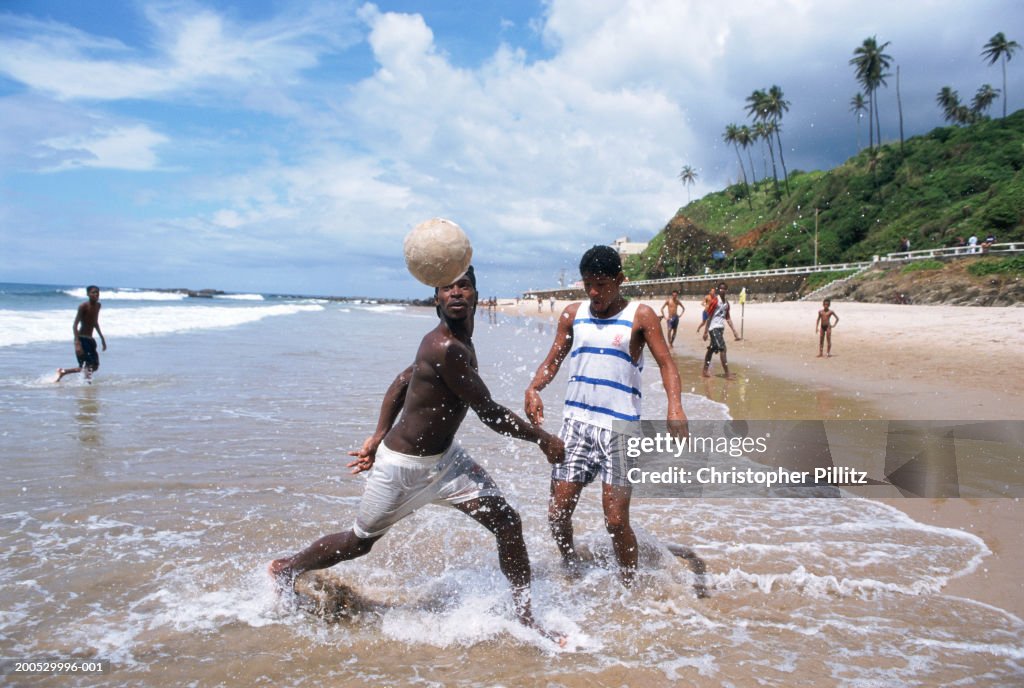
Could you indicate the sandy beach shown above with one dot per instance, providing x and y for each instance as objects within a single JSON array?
[{"x": 888, "y": 362}]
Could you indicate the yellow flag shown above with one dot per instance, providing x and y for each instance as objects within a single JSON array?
[{"x": 743, "y": 296}]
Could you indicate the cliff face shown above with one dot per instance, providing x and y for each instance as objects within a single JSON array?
[{"x": 952, "y": 284}]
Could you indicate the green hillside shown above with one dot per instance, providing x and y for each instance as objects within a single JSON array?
[{"x": 950, "y": 183}]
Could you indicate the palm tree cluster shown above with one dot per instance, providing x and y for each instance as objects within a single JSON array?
[
  {"x": 766, "y": 108},
  {"x": 998, "y": 49},
  {"x": 956, "y": 112}
]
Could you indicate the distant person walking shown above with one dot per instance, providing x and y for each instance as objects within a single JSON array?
[
  {"x": 86, "y": 320},
  {"x": 714, "y": 329},
  {"x": 824, "y": 325}
]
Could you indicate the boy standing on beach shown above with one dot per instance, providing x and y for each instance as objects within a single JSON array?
[
  {"x": 714, "y": 329},
  {"x": 417, "y": 461},
  {"x": 604, "y": 341},
  {"x": 825, "y": 324},
  {"x": 86, "y": 320},
  {"x": 675, "y": 311}
]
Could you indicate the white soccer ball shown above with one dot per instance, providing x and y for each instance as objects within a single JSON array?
[{"x": 437, "y": 252}]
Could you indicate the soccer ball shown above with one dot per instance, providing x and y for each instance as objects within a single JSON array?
[{"x": 437, "y": 252}]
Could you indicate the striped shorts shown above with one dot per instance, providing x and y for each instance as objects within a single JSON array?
[{"x": 591, "y": 451}]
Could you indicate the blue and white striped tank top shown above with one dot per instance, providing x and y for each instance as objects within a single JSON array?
[{"x": 604, "y": 382}]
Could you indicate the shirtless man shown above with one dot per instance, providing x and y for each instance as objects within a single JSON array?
[
  {"x": 87, "y": 320},
  {"x": 675, "y": 311},
  {"x": 824, "y": 324},
  {"x": 417, "y": 461}
]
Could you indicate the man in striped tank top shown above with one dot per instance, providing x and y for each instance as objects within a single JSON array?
[{"x": 604, "y": 342}]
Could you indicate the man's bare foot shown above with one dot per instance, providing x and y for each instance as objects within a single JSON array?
[
  {"x": 572, "y": 567},
  {"x": 705, "y": 373},
  {"x": 819, "y": 354},
  {"x": 561, "y": 640},
  {"x": 730, "y": 376}
]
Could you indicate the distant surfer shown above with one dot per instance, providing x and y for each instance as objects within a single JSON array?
[
  {"x": 604, "y": 341},
  {"x": 824, "y": 325},
  {"x": 86, "y": 320},
  {"x": 416, "y": 460}
]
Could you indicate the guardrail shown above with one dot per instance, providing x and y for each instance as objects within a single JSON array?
[{"x": 980, "y": 249}]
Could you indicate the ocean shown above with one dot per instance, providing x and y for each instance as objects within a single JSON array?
[{"x": 139, "y": 513}]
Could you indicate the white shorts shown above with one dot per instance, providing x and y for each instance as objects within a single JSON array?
[{"x": 399, "y": 484}]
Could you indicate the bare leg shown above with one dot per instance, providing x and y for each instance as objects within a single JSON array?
[
  {"x": 61, "y": 372},
  {"x": 821, "y": 342},
  {"x": 707, "y": 364},
  {"x": 495, "y": 514},
  {"x": 615, "y": 500},
  {"x": 725, "y": 367},
  {"x": 561, "y": 505},
  {"x": 830, "y": 341},
  {"x": 325, "y": 552}
]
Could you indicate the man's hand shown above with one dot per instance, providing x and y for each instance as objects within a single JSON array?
[
  {"x": 534, "y": 406},
  {"x": 553, "y": 448},
  {"x": 678, "y": 428},
  {"x": 365, "y": 456}
]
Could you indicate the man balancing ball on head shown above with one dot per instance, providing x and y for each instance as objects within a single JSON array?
[
  {"x": 604, "y": 341},
  {"x": 416, "y": 460}
]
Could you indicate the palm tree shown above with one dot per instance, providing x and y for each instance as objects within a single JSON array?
[
  {"x": 952, "y": 110},
  {"x": 764, "y": 126},
  {"x": 732, "y": 135},
  {"x": 763, "y": 131},
  {"x": 746, "y": 139},
  {"x": 857, "y": 106},
  {"x": 870, "y": 64},
  {"x": 688, "y": 176},
  {"x": 983, "y": 100},
  {"x": 775, "y": 105},
  {"x": 1000, "y": 49}
]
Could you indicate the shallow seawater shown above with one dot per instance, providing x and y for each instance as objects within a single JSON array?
[{"x": 140, "y": 511}]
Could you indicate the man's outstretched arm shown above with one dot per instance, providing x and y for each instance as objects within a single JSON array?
[
  {"x": 547, "y": 371},
  {"x": 467, "y": 384}
]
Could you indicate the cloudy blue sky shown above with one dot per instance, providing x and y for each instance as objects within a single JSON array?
[{"x": 289, "y": 146}]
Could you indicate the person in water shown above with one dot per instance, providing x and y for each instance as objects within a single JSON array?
[
  {"x": 604, "y": 341},
  {"x": 86, "y": 320},
  {"x": 414, "y": 460}
]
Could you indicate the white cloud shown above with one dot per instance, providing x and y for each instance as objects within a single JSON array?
[
  {"x": 124, "y": 148},
  {"x": 194, "y": 50},
  {"x": 536, "y": 156}
]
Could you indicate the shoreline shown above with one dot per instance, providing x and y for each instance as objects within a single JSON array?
[{"x": 889, "y": 362}]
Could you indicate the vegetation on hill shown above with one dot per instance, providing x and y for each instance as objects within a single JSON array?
[{"x": 933, "y": 189}]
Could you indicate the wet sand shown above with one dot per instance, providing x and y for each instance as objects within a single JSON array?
[{"x": 889, "y": 362}]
